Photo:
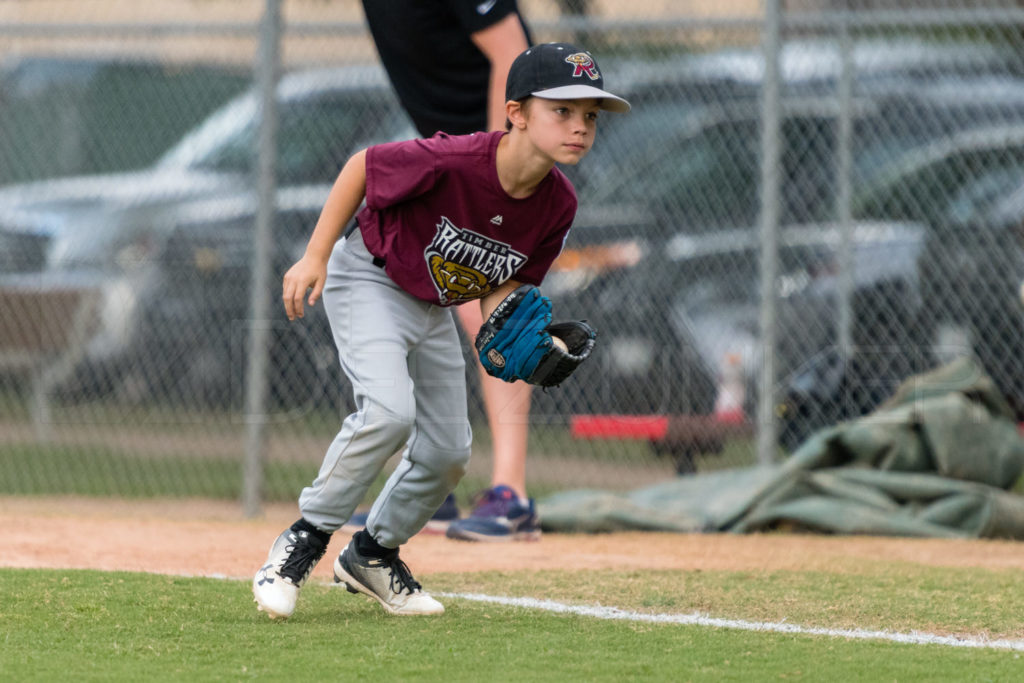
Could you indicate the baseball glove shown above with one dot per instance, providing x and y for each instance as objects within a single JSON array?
[
  {"x": 512, "y": 341},
  {"x": 515, "y": 342},
  {"x": 556, "y": 366}
]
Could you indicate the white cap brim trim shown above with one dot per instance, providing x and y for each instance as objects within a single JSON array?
[{"x": 609, "y": 102}]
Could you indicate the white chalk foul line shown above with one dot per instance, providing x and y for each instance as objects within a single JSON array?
[{"x": 599, "y": 612}]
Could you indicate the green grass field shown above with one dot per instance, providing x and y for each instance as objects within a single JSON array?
[
  {"x": 58, "y": 625},
  {"x": 88, "y": 625}
]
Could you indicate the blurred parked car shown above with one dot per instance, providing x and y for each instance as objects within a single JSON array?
[
  {"x": 689, "y": 320},
  {"x": 114, "y": 245}
]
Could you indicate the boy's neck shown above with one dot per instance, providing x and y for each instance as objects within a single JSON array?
[{"x": 520, "y": 170}]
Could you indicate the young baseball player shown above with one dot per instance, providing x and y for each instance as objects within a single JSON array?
[
  {"x": 460, "y": 90},
  {"x": 447, "y": 220}
]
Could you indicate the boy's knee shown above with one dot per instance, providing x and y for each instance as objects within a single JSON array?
[
  {"x": 449, "y": 463},
  {"x": 456, "y": 463},
  {"x": 455, "y": 460},
  {"x": 391, "y": 425}
]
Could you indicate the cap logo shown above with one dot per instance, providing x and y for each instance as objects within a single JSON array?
[{"x": 584, "y": 65}]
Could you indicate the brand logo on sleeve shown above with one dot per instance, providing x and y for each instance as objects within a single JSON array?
[{"x": 465, "y": 265}]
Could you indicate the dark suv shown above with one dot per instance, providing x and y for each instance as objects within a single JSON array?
[{"x": 663, "y": 257}]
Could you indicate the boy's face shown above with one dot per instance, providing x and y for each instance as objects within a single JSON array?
[{"x": 562, "y": 129}]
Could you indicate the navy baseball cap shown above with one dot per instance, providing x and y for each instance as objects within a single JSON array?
[{"x": 559, "y": 71}]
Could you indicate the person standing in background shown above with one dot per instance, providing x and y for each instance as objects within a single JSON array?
[{"x": 447, "y": 61}]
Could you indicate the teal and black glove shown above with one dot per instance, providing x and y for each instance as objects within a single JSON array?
[
  {"x": 515, "y": 342},
  {"x": 512, "y": 340}
]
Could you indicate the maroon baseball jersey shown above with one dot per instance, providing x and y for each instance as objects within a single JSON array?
[{"x": 447, "y": 231}]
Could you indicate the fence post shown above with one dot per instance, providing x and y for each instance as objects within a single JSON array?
[
  {"x": 266, "y": 77},
  {"x": 844, "y": 140},
  {"x": 770, "y": 186}
]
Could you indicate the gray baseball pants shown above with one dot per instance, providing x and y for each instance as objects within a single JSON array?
[{"x": 404, "y": 359}]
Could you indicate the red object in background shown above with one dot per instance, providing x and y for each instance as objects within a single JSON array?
[
  {"x": 705, "y": 434},
  {"x": 649, "y": 427}
]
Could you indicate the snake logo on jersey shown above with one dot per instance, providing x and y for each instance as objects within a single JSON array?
[{"x": 467, "y": 265}]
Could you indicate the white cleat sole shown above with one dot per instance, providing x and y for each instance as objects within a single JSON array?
[{"x": 268, "y": 612}]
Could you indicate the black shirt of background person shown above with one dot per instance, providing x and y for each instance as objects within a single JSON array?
[{"x": 441, "y": 78}]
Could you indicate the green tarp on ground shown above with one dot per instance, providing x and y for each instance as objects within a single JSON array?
[{"x": 936, "y": 460}]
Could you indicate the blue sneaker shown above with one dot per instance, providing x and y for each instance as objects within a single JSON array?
[
  {"x": 498, "y": 516},
  {"x": 438, "y": 524}
]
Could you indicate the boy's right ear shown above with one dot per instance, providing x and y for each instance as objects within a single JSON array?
[{"x": 515, "y": 114}]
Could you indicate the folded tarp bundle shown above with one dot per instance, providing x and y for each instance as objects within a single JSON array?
[{"x": 938, "y": 459}]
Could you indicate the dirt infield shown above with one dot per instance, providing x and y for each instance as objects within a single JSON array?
[{"x": 214, "y": 539}]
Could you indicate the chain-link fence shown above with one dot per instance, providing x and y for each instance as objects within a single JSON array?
[{"x": 869, "y": 174}]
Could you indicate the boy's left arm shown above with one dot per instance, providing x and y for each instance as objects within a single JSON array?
[{"x": 489, "y": 302}]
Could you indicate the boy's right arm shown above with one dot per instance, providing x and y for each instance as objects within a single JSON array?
[{"x": 310, "y": 271}]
